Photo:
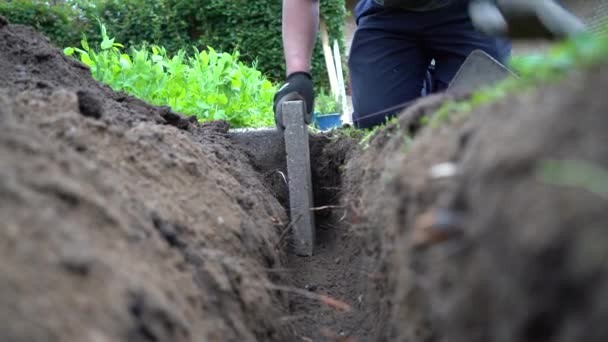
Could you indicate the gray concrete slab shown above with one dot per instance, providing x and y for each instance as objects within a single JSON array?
[
  {"x": 265, "y": 147},
  {"x": 299, "y": 178}
]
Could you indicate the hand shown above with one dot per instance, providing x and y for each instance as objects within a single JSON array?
[{"x": 298, "y": 86}]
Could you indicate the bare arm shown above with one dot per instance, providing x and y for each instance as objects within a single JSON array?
[{"x": 300, "y": 25}]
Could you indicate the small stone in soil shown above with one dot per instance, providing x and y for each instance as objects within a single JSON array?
[
  {"x": 310, "y": 287},
  {"x": 77, "y": 262},
  {"x": 78, "y": 267},
  {"x": 436, "y": 226}
]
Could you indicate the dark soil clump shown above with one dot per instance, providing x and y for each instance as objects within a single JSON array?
[{"x": 89, "y": 104}]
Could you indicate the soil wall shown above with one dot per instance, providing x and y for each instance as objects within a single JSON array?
[
  {"x": 476, "y": 240},
  {"x": 123, "y": 221}
]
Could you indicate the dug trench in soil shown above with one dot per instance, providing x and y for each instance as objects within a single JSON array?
[
  {"x": 123, "y": 221},
  {"x": 342, "y": 268}
]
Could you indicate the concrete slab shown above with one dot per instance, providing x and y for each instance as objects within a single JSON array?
[
  {"x": 265, "y": 147},
  {"x": 299, "y": 178}
]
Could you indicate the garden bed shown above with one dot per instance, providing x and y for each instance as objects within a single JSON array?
[{"x": 123, "y": 221}]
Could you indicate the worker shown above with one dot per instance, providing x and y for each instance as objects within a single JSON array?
[{"x": 393, "y": 46}]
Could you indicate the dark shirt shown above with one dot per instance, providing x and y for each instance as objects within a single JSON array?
[{"x": 365, "y": 7}]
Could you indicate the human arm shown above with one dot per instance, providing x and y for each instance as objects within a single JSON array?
[{"x": 300, "y": 25}]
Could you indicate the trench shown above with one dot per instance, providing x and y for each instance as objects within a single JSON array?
[{"x": 344, "y": 300}]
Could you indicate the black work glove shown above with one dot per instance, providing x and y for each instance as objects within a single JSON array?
[{"x": 298, "y": 86}]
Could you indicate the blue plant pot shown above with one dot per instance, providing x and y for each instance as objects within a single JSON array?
[{"x": 326, "y": 122}]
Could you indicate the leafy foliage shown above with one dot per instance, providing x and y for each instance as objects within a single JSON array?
[
  {"x": 138, "y": 22},
  {"x": 580, "y": 51},
  {"x": 210, "y": 85},
  {"x": 60, "y": 22},
  {"x": 251, "y": 27},
  {"x": 370, "y": 133},
  {"x": 326, "y": 104}
]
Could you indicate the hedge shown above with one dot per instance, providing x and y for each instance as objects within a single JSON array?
[
  {"x": 61, "y": 23},
  {"x": 250, "y": 27}
]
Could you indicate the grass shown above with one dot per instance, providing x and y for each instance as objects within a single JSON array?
[{"x": 371, "y": 132}]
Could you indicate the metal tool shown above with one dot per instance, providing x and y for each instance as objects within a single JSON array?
[{"x": 477, "y": 71}]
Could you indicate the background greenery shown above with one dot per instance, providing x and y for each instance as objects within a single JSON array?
[
  {"x": 250, "y": 27},
  {"x": 208, "y": 85}
]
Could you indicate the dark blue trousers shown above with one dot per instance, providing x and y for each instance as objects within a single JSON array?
[{"x": 392, "y": 49}]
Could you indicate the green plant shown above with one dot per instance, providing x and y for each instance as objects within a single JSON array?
[
  {"x": 575, "y": 173},
  {"x": 209, "y": 85},
  {"x": 582, "y": 50},
  {"x": 370, "y": 133},
  {"x": 254, "y": 28},
  {"x": 347, "y": 132},
  {"x": 326, "y": 104},
  {"x": 251, "y": 27},
  {"x": 60, "y": 22}
]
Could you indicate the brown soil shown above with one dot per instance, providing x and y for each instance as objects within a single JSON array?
[
  {"x": 343, "y": 265},
  {"x": 123, "y": 221},
  {"x": 494, "y": 252},
  {"x": 126, "y": 221}
]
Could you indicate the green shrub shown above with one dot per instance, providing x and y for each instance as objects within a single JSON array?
[
  {"x": 140, "y": 22},
  {"x": 251, "y": 27},
  {"x": 62, "y": 23},
  {"x": 209, "y": 85},
  {"x": 326, "y": 104}
]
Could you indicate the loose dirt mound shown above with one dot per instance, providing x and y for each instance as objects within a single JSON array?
[
  {"x": 124, "y": 221},
  {"x": 477, "y": 243}
]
